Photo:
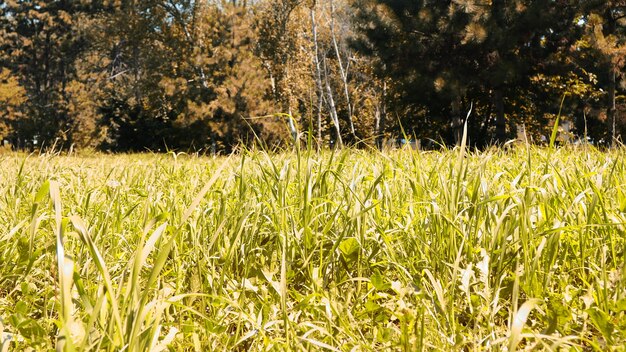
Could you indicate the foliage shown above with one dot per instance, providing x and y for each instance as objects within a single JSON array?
[
  {"x": 211, "y": 75},
  {"x": 12, "y": 96},
  {"x": 39, "y": 46},
  {"x": 463, "y": 54},
  {"x": 606, "y": 26}
]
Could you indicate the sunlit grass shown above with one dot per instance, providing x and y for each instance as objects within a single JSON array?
[{"x": 352, "y": 250}]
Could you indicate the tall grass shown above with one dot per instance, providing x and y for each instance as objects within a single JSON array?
[{"x": 513, "y": 249}]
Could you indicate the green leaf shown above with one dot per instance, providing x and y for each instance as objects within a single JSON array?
[
  {"x": 379, "y": 282},
  {"x": 349, "y": 246},
  {"x": 22, "y": 308},
  {"x": 620, "y": 306},
  {"x": 558, "y": 314},
  {"x": 371, "y": 306},
  {"x": 42, "y": 192},
  {"x": 602, "y": 322}
]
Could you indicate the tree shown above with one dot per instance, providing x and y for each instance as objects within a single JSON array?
[
  {"x": 413, "y": 41},
  {"x": 38, "y": 44},
  {"x": 181, "y": 75},
  {"x": 520, "y": 38},
  {"x": 241, "y": 84},
  {"x": 313, "y": 68},
  {"x": 443, "y": 55},
  {"x": 277, "y": 44},
  {"x": 12, "y": 97},
  {"x": 606, "y": 24}
]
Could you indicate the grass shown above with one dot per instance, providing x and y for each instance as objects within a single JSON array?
[{"x": 512, "y": 249}]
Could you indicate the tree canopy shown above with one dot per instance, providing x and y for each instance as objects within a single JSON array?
[{"x": 209, "y": 75}]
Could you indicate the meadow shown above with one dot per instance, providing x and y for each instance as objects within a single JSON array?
[{"x": 505, "y": 249}]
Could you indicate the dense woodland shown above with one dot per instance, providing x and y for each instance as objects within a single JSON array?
[{"x": 130, "y": 75}]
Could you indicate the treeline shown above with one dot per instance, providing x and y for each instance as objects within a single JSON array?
[{"x": 126, "y": 75}]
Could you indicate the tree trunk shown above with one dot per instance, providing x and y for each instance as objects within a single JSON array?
[
  {"x": 332, "y": 108},
  {"x": 318, "y": 79},
  {"x": 381, "y": 112},
  {"x": 342, "y": 70},
  {"x": 498, "y": 102},
  {"x": 611, "y": 109},
  {"x": 457, "y": 120}
]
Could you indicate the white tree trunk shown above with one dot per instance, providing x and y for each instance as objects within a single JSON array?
[{"x": 343, "y": 70}]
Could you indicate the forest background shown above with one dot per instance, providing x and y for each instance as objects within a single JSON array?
[{"x": 209, "y": 75}]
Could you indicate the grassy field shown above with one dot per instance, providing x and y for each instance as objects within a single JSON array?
[{"x": 498, "y": 250}]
